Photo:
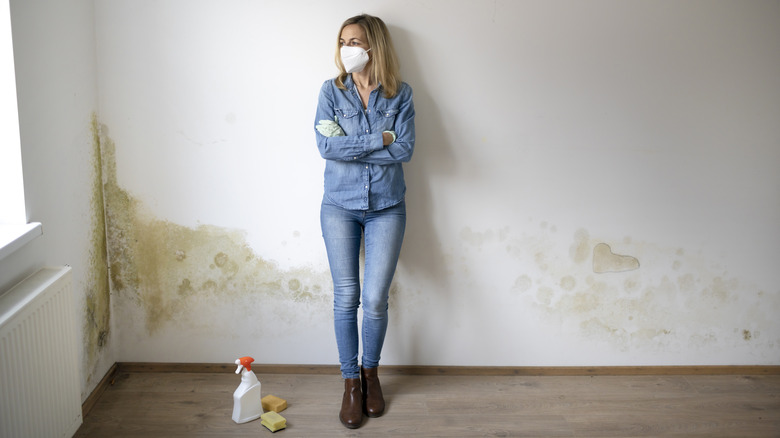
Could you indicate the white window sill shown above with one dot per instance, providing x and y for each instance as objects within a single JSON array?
[{"x": 13, "y": 237}]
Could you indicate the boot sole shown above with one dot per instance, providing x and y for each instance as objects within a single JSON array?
[{"x": 350, "y": 426}]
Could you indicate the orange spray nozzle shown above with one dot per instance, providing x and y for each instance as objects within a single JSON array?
[{"x": 245, "y": 362}]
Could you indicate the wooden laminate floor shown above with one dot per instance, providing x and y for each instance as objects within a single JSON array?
[{"x": 200, "y": 405}]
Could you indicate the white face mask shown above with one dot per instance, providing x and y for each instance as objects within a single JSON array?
[{"x": 354, "y": 58}]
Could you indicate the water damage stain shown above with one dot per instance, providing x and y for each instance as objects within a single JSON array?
[
  {"x": 580, "y": 248},
  {"x": 686, "y": 305},
  {"x": 97, "y": 304},
  {"x": 675, "y": 302},
  {"x": 604, "y": 260},
  {"x": 171, "y": 272}
]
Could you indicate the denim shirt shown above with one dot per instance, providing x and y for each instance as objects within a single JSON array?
[{"x": 361, "y": 173}]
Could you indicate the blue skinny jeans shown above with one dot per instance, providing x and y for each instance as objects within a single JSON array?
[{"x": 342, "y": 231}]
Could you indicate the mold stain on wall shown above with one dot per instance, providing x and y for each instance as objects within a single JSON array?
[
  {"x": 673, "y": 302},
  {"x": 97, "y": 304},
  {"x": 172, "y": 272},
  {"x": 604, "y": 260},
  {"x": 680, "y": 303}
]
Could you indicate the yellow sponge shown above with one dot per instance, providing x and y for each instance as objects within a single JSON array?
[
  {"x": 273, "y": 403},
  {"x": 273, "y": 421}
]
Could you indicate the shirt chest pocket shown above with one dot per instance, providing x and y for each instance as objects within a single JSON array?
[
  {"x": 385, "y": 119},
  {"x": 348, "y": 120}
]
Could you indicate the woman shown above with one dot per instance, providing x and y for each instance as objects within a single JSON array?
[{"x": 365, "y": 130}]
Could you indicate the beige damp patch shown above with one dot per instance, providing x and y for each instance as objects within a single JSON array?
[
  {"x": 477, "y": 239},
  {"x": 172, "y": 272},
  {"x": 604, "y": 260},
  {"x": 674, "y": 301},
  {"x": 568, "y": 283},
  {"x": 581, "y": 248}
]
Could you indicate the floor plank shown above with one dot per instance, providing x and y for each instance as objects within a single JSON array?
[{"x": 200, "y": 405}]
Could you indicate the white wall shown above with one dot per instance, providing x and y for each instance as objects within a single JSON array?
[
  {"x": 544, "y": 129},
  {"x": 54, "y": 51}
]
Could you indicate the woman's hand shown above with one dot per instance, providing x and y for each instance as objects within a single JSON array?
[{"x": 388, "y": 137}]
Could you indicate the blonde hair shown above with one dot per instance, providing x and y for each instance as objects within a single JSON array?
[{"x": 385, "y": 68}]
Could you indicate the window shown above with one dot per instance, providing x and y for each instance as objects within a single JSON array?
[{"x": 14, "y": 229}]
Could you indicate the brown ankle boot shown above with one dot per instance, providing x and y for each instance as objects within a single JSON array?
[
  {"x": 373, "y": 401},
  {"x": 351, "y": 414}
]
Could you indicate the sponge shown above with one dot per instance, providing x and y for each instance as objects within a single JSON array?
[
  {"x": 273, "y": 403},
  {"x": 273, "y": 421}
]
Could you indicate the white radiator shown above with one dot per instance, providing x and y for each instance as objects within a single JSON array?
[{"x": 39, "y": 374}]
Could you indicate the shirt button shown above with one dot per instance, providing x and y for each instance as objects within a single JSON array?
[
  {"x": 366, "y": 131},
  {"x": 366, "y": 167}
]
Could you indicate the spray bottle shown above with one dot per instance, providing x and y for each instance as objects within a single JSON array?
[{"x": 247, "y": 404}]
